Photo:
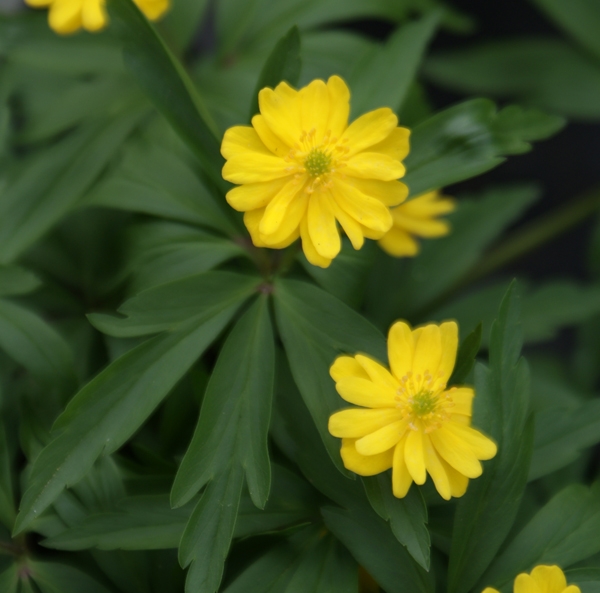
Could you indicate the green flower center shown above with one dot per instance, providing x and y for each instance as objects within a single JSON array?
[
  {"x": 317, "y": 163},
  {"x": 423, "y": 403}
]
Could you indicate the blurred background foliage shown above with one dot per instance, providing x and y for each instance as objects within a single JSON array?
[{"x": 109, "y": 189}]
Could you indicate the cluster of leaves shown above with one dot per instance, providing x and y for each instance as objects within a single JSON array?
[{"x": 190, "y": 428}]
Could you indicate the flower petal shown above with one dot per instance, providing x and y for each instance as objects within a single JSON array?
[
  {"x": 365, "y": 210},
  {"x": 400, "y": 349},
  {"x": 281, "y": 109},
  {"x": 365, "y": 393},
  {"x": 277, "y": 209},
  {"x": 323, "y": 227},
  {"x": 364, "y": 465},
  {"x": 414, "y": 454},
  {"x": 290, "y": 225},
  {"x": 463, "y": 400},
  {"x": 390, "y": 193},
  {"x": 314, "y": 108},
  {"x": 64, "y": 16},
  {"x": 428, "y": 350},
  {"x": 352, "y": 228},
  {"x": 422, "y": 227},
  {"x": 456, "y": 452},
  {"x": 481, "y": 446},
  {"x": 268, "y": 138},
  {"x": 346, "y": 366},
  {"x": 252, "y": 220},
  {"x": 369, "y": 129},
  {"x": 428, "y": 205},
  {"x": 238, "y": 141},
  {"x": 550, "y": 579},
  {"x": 449, "y": 339},
  {"x": 374, "y": 165},
  {"x": 377, "y": 372},
  {"x": 251, "y": 196},
  {"x": 383, "y": 439},
  {"x": 458, "y": 482},
  {"x": 310, "y": 251},
  {"x": 436, "y": 469},
  {"x": 399, "y": 243},
  {"x": 524, "y": 583},
  {"x": 93, "y": 15},
  {"x": 401, "y": 478},
  {"x": 153, "y": 9},
  {"x": 358, "y": 422},
  {"x": 396, "y": 145},
  {"x": 339, "y": 105}
]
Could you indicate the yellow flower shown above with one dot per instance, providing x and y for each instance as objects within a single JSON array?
[
  {"x": 543, "y": 579},
  {"x": 416, "y": 218},
  {"x": 301, "y": 169},
  {"x": 68, "y": 16},
  {"x": 409, "y": 420}
]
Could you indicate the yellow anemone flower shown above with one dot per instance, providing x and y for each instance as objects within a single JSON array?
[
  {"x": 301, "y": 169},
  {"x": 409, "y": 420},
  {"x": 416, "y": 218},
  {"x": 543, "y": 579},
  {"x": 68, "y": 16}
]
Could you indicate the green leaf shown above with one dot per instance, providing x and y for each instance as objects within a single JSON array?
[
  {"x": 152, "y": 179},
  {"x": 7, "y": 497},
  {"x": 315, "y": 328},
  {"x": 15, "y": 280},
  {"x": 109, "y": 409},
  {"x": 467, "y": 354},
  {"x": 165, "y": 306},
  {"x": 51, "y": 183},
  {"x": 469, "y": 139},
  {"x": 545, "y": 73},
  {"x": 168, "y": 86},
  {"x": 208, "y": 534},
  {"x": 580, "y": 18},
  {"x": 55, "y": 577},
  {"x": 283, "y": 64},
  {"x": 33, "y": 343},
  {"x": 587, "y": 579},
  {"x": 407, "y": 516},
  {"x": 182, "y": 22},
  {"x": 375, "y": 547},
  {"x": 236, "y": 409},
  {"x": 383, "y": 79},
  {"x": 565, "y": 531},
  {"x": 9, "y": 579},
  {"x": 484, "y": 515},
  {"x": 561, "y": 434}
]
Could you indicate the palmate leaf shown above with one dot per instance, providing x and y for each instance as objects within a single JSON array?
[
  {"x": 168, "y": 86},
  {"x": 229, "y": 444},
  {"x": 469, "y": 139},
  {"x": 316, "y": 328},
  {"x": 565, "y": 531},
  {"x": 484, "y": 515},
  {"x": 111, "y": 407}
]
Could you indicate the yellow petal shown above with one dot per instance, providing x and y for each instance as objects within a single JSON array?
[
  {"x": 400, "y": 349},
  {"x": 428, "y": 350},
  {"x": 322, "y": 226},
  {"x": 463, "y": 400},
  {"x": 414, "y": 454},
  {"x": 369, "y": 129},
  {"x": 346, "y": 366},
  {"x": 39, "y": 3},
  {"x": 314, "y": 108},
  {"x": 401, "y": 478},
  {"x": 364, "y": 465},
  {"x": 357, "y": 422},
  {"x": 422, "y": 227},
  {"x": 366, "y": 210},
  {"x": 390, "y": 193},
  {"x": 339, "y": 101},
  {"x": 269, "y": 139},
  {"x": 93, "y": 15},
  {"x": 252, "y": 220},
  {"x": 449, "y": 337},
  {"x": 352, "y": 228},
  {"x": 396, "y": 145},
  {"x": 524, "y": 583},
  {"x": 64, "y": 16},
  {"x": 153, "y": 9},
  {"x": 456, "y": 452},
  {"x": 572, "y": 589},
  {"x": 365, "y": 393},
  {"x": 377, "y": 372},
  {"x": 310, "y": 251},
  {"x": 550, "y": 579},
  {"x": 382, "y": 439},
  {"x": 398, "y": 243},
  {"x": 428, "y": 205},
  {"x": 254, "y": 195},
  {"x": 436, "y": 469},
  {"x": 254, "y": 168},
  {"x": 277, "y": 209},
  {"x": 458, "y": 482},
  {"x": 490, "y": 590},
  {"x": 481, "y": 446},
  {"x": 374, "y": 165},
  {"x": 281, "y": 109},
  {"x": 238, "y": 141},
  {"x": 290, "y": 225}
]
